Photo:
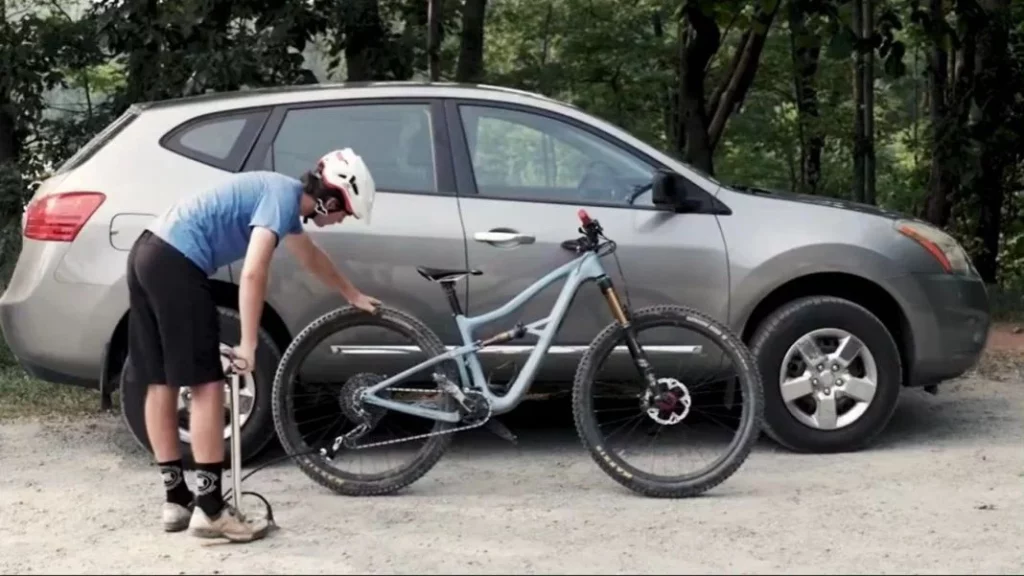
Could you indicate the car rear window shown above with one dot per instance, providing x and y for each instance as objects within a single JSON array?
[{"x": 99, "y": 141}]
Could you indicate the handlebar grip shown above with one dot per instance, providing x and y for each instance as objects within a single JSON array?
[{"x": 583, "y": 216}]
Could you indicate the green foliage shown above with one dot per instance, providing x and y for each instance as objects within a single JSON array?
[{"x": 620, "y": 61}]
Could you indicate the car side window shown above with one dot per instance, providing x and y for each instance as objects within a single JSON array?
[
  {"x": 395, "y": 141},
  {"x": 222, "y": 141},
  {"x": 526, "y": 156},
  {"x": 214, "y": 138}
]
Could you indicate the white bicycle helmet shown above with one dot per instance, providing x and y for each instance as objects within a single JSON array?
[{"x": 344, "y": 175}]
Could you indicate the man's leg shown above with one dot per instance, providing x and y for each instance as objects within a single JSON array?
[
  {"x": 145, "y": 349},
  {"x": 207, "y": 427},
  {"x": 190, "y": 332},
  {"x": 193, "y": 359},
  {"x": 212, "y": 518},
  {"x": 162, "y": 421},
  {"x": 162, "y": 429}
]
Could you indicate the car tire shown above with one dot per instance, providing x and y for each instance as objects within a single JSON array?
[
  {"x": 257, "y": 429},
  {"x": 804, "y": 424}
]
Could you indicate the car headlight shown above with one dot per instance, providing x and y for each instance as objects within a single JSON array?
[{"x": 943, "y": 247}]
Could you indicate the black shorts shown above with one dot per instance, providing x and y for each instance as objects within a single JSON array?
[{"x": 173, "y": 327}]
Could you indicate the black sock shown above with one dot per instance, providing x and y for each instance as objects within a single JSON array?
[
  {"x": 174, "y": 483},
  {"x": 209, "y": 495}
]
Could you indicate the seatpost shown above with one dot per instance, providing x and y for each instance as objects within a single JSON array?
[{"x": 453, "y": 298}]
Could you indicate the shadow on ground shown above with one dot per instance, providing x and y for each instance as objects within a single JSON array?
[{"x": 963, "y": 412}]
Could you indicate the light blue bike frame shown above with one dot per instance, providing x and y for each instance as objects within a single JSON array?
[{"x": 586, "y": 267}]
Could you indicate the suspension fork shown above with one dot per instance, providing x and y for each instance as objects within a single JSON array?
[{"x": 623, "y": 316}]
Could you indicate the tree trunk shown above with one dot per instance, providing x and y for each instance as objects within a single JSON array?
[
  {"x": 740, "y": 81},
  {"x": 365, "y": 41},
  {"x": 7, "y": 143},
  {"x": 940, "y": 186},
  {"x": 867, "y": 32},
  {"x": 143, "y": 67},
  {"x": 806, "y": 50},
  {"x": 998, "y": 151},
  {"x": 669, "y": 105},
  {"x": 952, "y": 93},
  {"x": 8, "y": 136},
  {"x": 434, "y": 38},
  {"x": 698, "y": 123},
  {"x": 470, "y": 67},
  {"x": 698, "y": 42},
  {"x": 859, "y": 188}
]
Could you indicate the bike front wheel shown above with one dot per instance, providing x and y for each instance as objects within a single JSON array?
[{"x": 682, "y": 412}]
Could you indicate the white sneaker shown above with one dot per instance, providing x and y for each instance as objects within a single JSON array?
[
  {"x": 227, "y": 525},
  {"x": 176, "y": 517}
]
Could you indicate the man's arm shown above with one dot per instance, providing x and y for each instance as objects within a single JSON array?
[
  {"x": 253, "y": 283},
  {"x": 314, "y": 259}
]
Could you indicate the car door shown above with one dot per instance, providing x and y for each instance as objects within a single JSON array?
[
  {"x": 529, "y": 171},
  {"x": 415, "y": 217}
]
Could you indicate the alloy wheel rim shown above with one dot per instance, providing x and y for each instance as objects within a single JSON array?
[
  {"x": 828, "y": 379},
  {"x": 246, "y": 401}
]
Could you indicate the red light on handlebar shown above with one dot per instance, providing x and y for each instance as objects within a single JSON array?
[{"x": 584, "y": 217}]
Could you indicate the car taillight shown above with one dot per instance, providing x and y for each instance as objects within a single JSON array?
[{"x": 59, "y": 217}]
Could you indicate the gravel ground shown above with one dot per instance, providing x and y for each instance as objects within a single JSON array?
[{"x": 942, "y": 492}]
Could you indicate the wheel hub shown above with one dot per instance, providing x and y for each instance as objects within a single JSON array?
[{"x": 668, "y": 402}]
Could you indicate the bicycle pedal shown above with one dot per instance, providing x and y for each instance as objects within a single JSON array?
[{"x": 501, "y": 431}]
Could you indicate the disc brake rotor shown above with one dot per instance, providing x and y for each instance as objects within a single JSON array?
[{"x": 669, "y": 402}]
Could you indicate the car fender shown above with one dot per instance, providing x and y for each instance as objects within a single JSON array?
[{"x": 751, "y": 286}]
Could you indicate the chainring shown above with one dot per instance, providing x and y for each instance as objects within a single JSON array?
[{"x": 476, "y": 407}]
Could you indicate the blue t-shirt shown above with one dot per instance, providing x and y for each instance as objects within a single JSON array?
[{"x": 213, "y": 228}]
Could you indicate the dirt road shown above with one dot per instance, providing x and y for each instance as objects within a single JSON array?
[{"x": 943, "y": 492}]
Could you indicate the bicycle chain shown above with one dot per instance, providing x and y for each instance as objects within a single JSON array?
[{"x": 362, "y": 427}]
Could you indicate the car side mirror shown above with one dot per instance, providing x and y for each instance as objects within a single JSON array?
[{"x": 670, "y": 191}]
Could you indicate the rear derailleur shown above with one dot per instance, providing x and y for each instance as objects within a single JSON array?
[{"x": 366, "y": 416}]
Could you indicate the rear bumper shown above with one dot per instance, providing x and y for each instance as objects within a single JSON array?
[
  {"x": 58, "y": 331},
  {"x": 40, "y": 372},
  {"x": 949, "y": 317}
]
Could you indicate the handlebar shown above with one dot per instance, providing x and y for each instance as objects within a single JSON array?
[{"x": 591, "y": 229}]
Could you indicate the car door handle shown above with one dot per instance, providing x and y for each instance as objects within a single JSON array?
[{"x": 503, "y": 237}]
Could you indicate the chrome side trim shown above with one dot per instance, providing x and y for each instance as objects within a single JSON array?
[{"x": 509, "y": 349}]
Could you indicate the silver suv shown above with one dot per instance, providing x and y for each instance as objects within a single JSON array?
[{"x": 796, "y": 276}]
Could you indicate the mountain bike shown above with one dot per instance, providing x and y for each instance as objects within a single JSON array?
[{"x": 458, "y": 397}]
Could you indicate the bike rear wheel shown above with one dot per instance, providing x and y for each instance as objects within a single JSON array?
[
  {"x": 675, "y": 404},
  {"x": 311, "y": 410}
]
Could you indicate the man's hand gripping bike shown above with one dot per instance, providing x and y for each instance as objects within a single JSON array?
[{"x": 451, "y": 393}]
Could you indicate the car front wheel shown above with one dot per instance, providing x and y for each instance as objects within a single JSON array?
[
  {"x": 256, "y": 423},
  {"x": 832, "y": 374}
]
